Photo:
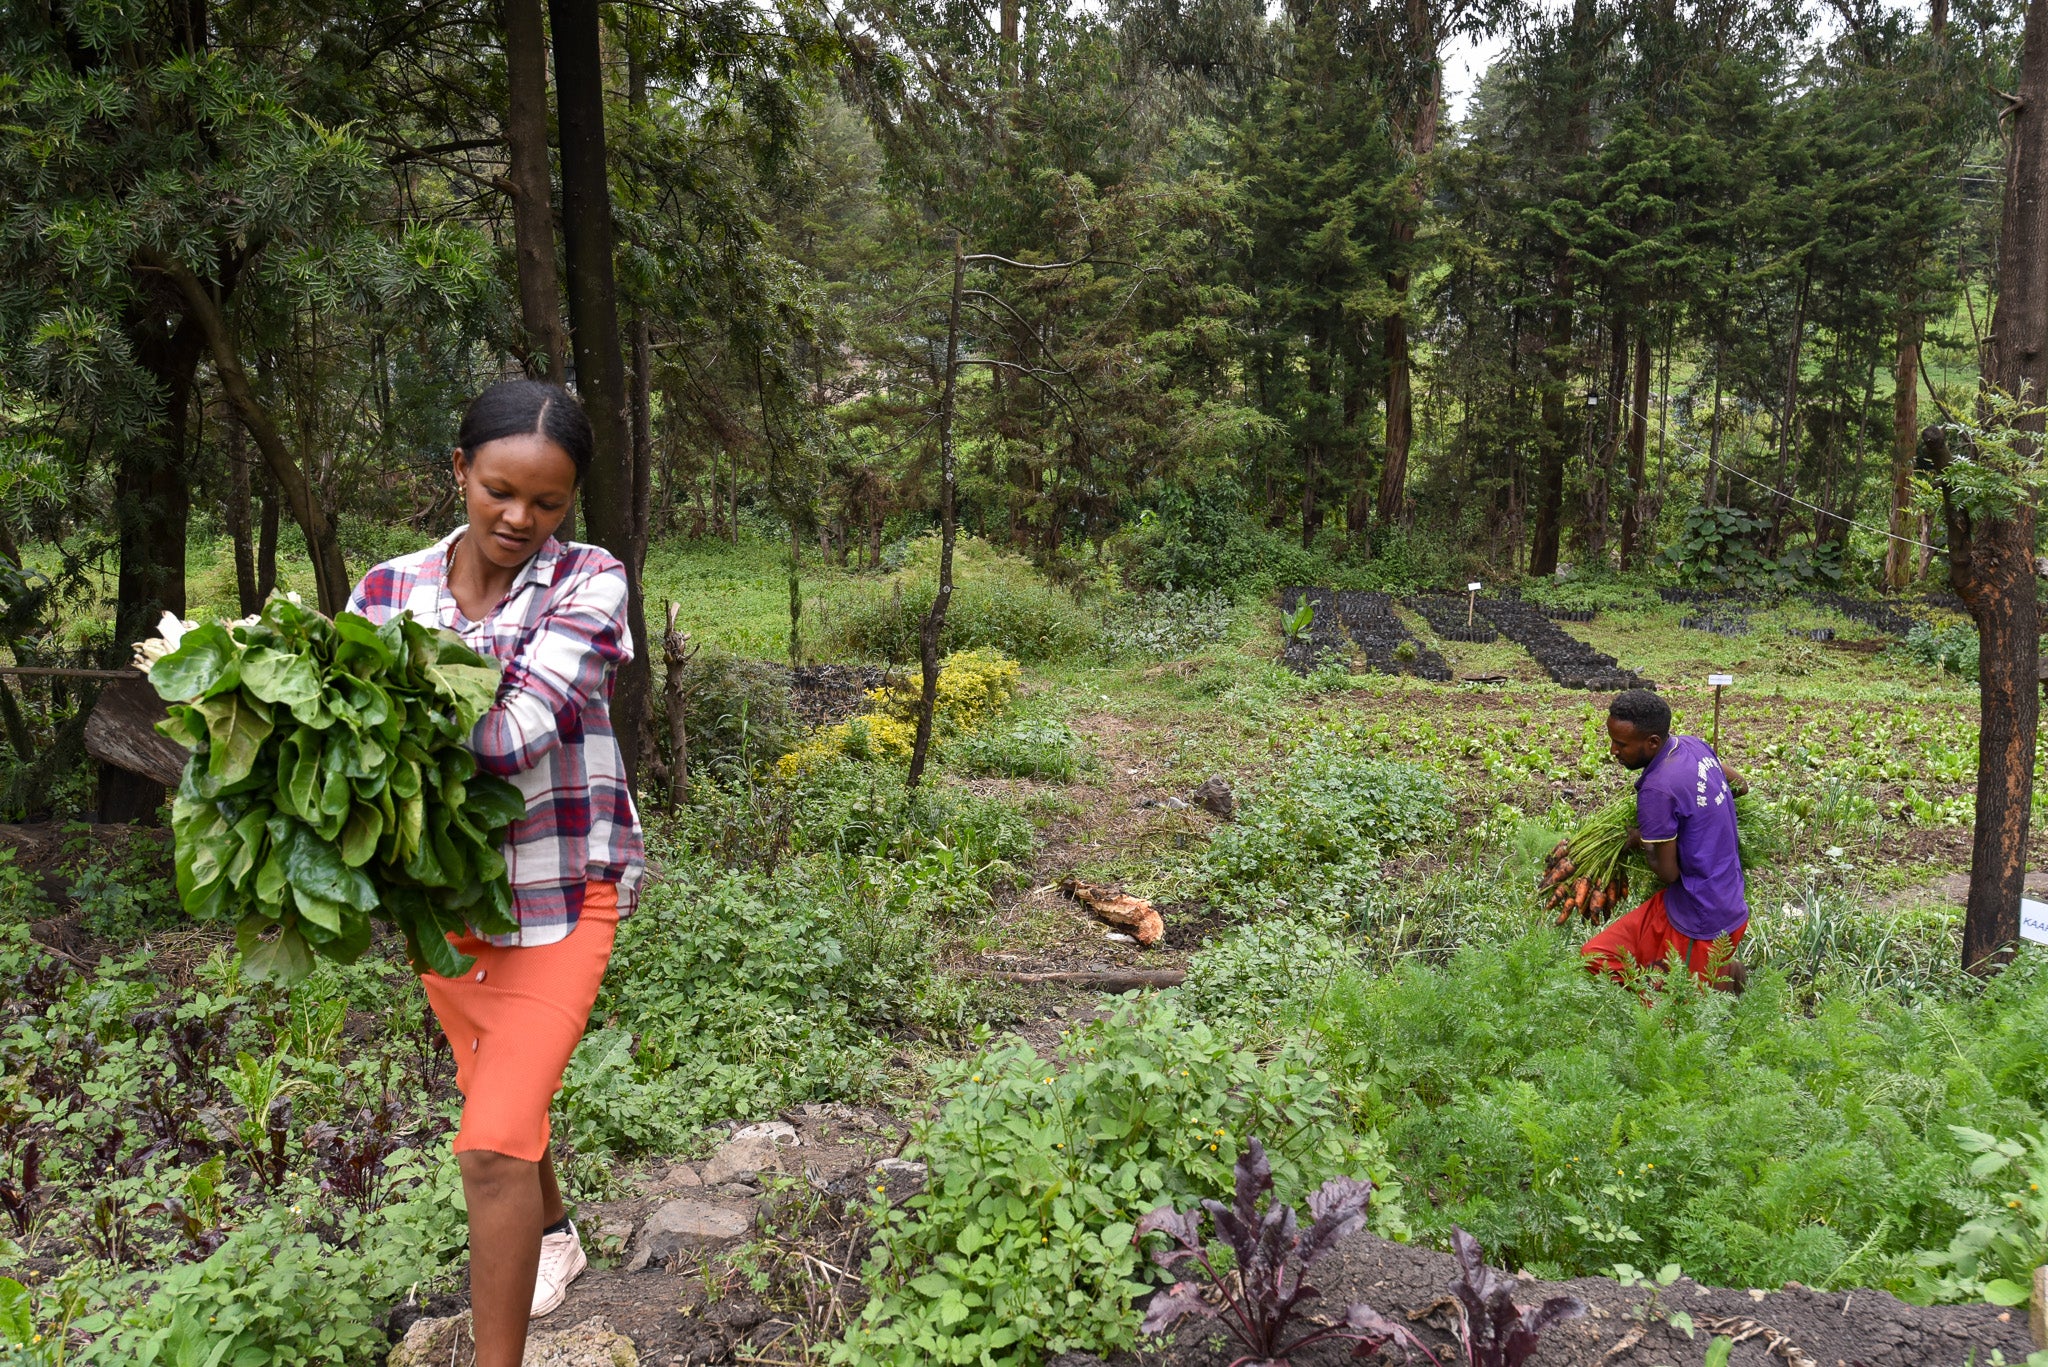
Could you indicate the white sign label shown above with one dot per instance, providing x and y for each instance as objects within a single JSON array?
[
  {"x": 2034, "y": 920},
  {"x": 1472, "y": 587},
  {"x": 1720, "y": 680}
]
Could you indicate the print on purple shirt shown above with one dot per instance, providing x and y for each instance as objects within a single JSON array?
[{"x": 1683, "y": 795}]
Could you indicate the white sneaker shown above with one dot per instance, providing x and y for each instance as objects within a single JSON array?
[{"x": 561, "y": 1262}]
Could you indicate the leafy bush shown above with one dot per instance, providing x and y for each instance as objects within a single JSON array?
[
  {"x": 1263, "y": 978},
  {"x": 1994, "y": 1255},
  {"x": 1041, "y": 749},
  {"x": 1319, "y": 827},
  {"x": 999, "y": 602},
  {"x": 1723, "y": 547},
  {"x": 277, "y": 1293},
  {"x": 1167, "y": 623},
  {"x": 727, "y": 995},
  {"x": 1021, "y": 1243},
  {"x": 1952, "y": 648}
]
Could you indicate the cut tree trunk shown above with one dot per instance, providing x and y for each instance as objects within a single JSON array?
[
  {"x": 533, "y": 208},
  {"x": 676, "y": 652},
  {"x": 594, "y": 340}
]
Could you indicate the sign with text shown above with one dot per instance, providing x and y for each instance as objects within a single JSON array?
[
  {"x": 1720, "y": 680},
  {"x": 2034, "y": 920},
  {"x": 1472, "y": 587}
]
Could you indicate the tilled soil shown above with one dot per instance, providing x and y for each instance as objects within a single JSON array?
[{"x": 1627, "y": 1327}]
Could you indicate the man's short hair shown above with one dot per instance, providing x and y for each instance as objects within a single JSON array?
[{"x": 1645, "y": 711}]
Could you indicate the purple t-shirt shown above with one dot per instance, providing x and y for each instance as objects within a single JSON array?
[{"x": 1683, "y": 794}]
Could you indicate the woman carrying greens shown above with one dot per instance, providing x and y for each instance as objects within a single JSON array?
[{"x": 554, "y": 616}]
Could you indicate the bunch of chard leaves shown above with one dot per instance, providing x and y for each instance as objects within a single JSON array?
[
  {"x": 329, "y": 784},
  {"x": 1258, "y": 1301}
]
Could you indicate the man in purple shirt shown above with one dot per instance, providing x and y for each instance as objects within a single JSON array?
[{"x": 1685, "y": 826}]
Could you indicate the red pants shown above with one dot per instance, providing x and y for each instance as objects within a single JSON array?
[{"x": 1643, "y": 938}]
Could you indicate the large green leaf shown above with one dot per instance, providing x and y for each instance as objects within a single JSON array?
[
  {"x": 275, "y": 677},
  {"x": 359, "y": 836},
  {"x": 283, "y": 958},
  {"x": 236, "y": 727},
  {"x": 184, "y": 726},
  {"x": 492, "y": 803},
  {"x": 314, "y": 865},
  {"x": 204, "y": 663},
  {"x": 470, "y": 688}
]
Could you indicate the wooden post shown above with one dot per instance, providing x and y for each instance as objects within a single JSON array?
[
  {"x": 1718, "y": 682},
  {"x": 2037, "y": 1308},
  {"x": 1471, "y": 602}
]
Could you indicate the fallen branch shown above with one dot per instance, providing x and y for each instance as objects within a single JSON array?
[{"x": 1099, "y": 979}]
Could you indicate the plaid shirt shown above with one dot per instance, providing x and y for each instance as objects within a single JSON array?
[{"x": 561, "y": 635}]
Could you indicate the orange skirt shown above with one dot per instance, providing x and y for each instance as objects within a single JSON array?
[{"x": 513, "y": 1021}]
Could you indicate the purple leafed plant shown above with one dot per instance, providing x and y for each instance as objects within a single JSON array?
[
  {"x": 1495, "y": 1331},
  {"x": 1257, "y": 1301}
]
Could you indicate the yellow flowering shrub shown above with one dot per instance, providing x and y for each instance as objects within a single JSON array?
[{"x": 974, "y": 688}]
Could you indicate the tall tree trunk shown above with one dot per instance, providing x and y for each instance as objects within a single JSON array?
[
  {"x": 1600, "y": 480},
  {"x": 330, "y": 570},
  {"x": 1898, "y": 550},
  {"x": 152, "y": 505},
  {"x": 935, "y": 620},
  {"x": 1400, "y": 399},
  {"x": 533, "y": 208},
  {"x": 594, "y": 340},
  {"x": 1638, "y": 451},
  {"x": 246, "y": 596},
  {"x": 1991, "y": 560},
  {"x": 266, "y": 536},
  {"x": 1394, "y": 327},
  {"x": 641, "y": 401},
  {"x": 1557, "y": 423},
  {"x": 1788, "y": 417},
  {"x": 1556, "y": 436},
  {"x": 1710, "y": 488}
]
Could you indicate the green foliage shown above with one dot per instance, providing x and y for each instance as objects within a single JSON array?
[
  {"x": 999, "y": 602},
  {"x": 1166, "y": 623},
  {"x": 278, "y": 1294},
  {"x": 1723, "y": 547},
  {"x": 1041, "y": 749},
  {"x": 331, "y": 783},
  {"x": 1952, "y": 648},
  {"x": 1993, "y": 1256},
  {"x": 1748, "y": 1139},
  {"x": 1020, "y": 1245},
  {"x": 1317, "y": 829}
]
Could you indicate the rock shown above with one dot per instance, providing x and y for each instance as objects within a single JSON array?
[
  {"x": 685, "y": 1225},
  {"x": 899, "y": 1179},
  {"x": 447, "y": 1343},
  {"x": 436, "y": 1343},
  {"x": 780, "y": 1131},
  {"x": 679, "y": 1176},
  {"x": 593, "y": 1343},
  {"x": 1215, "y": 796},
  {"x": 757, "y": 1148}
]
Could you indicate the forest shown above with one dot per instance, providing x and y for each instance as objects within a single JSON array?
[{"x": 1133, "y": 514}]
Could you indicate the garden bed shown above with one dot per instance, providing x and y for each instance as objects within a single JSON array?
[
  {"x": 1324, "y": 641},
  {"x": 1451, "y": 617},
  {"x": 1628, "y": 1326},
  {"x": 1389, "y": 647},
  {"x": 1568, "y": 660}
]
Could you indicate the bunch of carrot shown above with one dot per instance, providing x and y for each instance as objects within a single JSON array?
[{"x": 1588, "y": 872}]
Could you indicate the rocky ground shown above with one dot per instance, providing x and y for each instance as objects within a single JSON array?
[{"x": 752, "y": 1256}]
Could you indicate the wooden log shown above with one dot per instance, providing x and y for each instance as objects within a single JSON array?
[{"x": 122, "y": 732}]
